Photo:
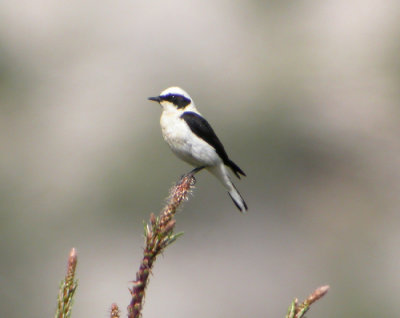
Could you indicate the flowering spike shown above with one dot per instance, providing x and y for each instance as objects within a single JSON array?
[{"x": 158, "y": 235}]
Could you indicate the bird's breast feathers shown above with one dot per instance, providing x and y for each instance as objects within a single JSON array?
[{"x": 184, "y": 143}]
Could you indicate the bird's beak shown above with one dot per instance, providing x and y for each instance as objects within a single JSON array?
[{"x": 155, "y": 99}]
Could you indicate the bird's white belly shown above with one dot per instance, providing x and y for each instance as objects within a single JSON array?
[{"x": 185, "y": 144}]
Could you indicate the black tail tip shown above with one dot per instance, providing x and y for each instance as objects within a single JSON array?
[{"x": 238, "y": 206}]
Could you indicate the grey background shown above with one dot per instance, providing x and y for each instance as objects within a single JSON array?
[{"x": 305, "y": 97}]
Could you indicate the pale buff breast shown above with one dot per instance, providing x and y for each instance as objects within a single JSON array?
[{"x": 186, "y": 145}]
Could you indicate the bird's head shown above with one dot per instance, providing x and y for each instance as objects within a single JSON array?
[{"x": 174, "y": 99}]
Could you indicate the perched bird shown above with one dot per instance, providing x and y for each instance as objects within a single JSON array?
[{"x": 193, "y": 140}]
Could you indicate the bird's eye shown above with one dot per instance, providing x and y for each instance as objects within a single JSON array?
[{"x": 178, "y": 100}]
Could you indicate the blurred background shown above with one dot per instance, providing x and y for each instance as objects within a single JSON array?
[{"x": 305, "y": 97}]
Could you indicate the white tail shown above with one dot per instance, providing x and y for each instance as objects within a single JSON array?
[
  {"x": 237, "y": 199},
  {"x": 222, "y": 175}
]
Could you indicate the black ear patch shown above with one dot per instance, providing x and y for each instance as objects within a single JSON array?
[{"x": 179, "y": 101}]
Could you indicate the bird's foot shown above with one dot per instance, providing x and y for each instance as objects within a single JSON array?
[{"x": 192, "y": 173}]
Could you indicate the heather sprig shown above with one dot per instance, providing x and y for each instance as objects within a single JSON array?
[
  {"x": 158, "y": 234},
  {"x": 67, "y": 288},
  {"x": 297, "y": 310}
]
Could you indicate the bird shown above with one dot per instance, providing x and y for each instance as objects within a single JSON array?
[{"x": 193, "y": 140}]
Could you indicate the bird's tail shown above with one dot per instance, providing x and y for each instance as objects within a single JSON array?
[
  {"x": 237, "y": 199},
  {"x": 222, "y": 175}
]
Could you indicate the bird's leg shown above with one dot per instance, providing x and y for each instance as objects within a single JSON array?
[
  {"x": 195, "y": 170},
  {"x": 192, "y": 173}
]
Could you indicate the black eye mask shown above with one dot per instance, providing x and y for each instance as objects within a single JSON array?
[{"x": 178, "y": 100}]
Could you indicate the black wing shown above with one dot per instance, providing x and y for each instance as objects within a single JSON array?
[{"x": 202, "y": 129}]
